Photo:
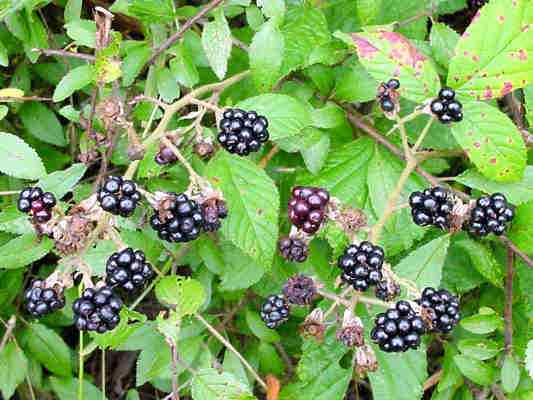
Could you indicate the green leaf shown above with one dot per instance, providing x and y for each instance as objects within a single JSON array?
[
  {"x": 274, "y": 9},
  {"x": 23, "y": 250},
  {"x": 424, "y": 265},
  {"x": 266, "y": 56},
  {"x": 521, "y": 232},
  {"x": 130, "y": 322},
  {"x": 253, "y": 200},
  {"x": 354, "y": 83},
  {"x": 216, "y": 41},
  {"x": 240, "y": 271},
  {"x": 477, "y": 371},
  {"x": 183, "y": 67},
  {"x": 480, "y": 349},
  {"x": 529, "y": 358},
  {"x": 389, "y": 54},
  {"x": 152, "y": 11},
  {"x": 82, "y": 31},
  {"x": 4, "y": 56},
  {"x": 42, "y": 123},
  {"x": 491, "y": 141},
  {"x": 482, "y": 323},
  {"x": 73, "y": 81},
  {"x": 67, "y": 389},
  {"x": 62, "y": 182},
  {"x": 18, "y": 159},
  {"x": 316, "y": 155},
  {"x": 510, "y": 374},
  {"x": 258, "y": 328},
  {"x": 134, "y": 62},
  {"x": 4, "y": 110},
  {"x": 493, "y": 56},
  {"x": 482, "y": 259},
  {"x": 208, "y": 384},
  {"x": 187, "y": 295},
  {"x": 167, "y": 85},
  {"x": 13, "y": 221},
  {"x": 154, "y": 361},
  {"x": 73, "y": 10},
  {"x": 48, "y": 348},
  {"x": 13, "y": 369},
  {"x": 96, "y": 256},
  {"x": 443, "y": 40}
]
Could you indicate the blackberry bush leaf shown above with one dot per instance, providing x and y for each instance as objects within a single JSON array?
[
  {"x": 209, "y": 384},
  {"x": 66, "y": 388},
  {"x": 521, "y": 232},
  {"x": 187, "y": 295},
  {"x": 216, "y": 41},
  {"x": 253, "y": 200},
  {"x": 443, "y": 40},
  {"x": 529, "y": 358},
  {"x": 476, "y": 371},
  {"x": 491, "y": 141},
  {"x": 482, "y": 259},
  {"x": 493, "y": 57},
  {"x": 510, "y": 374},
  {"x": 82, "y": 31},
  {"x": 42, "y": 123},
  {"x": 480, "y": 349},
  {"x": 266, "y": 56},
  {"x": 240, "y": 270},
  {"x": 62, "y": 182},
  {"x": 73, "y": 81},
  {"x": 18, "y": 159},
  {"x": 482, "y": 323},
  {"x": 13, "y": 369},
  {"x": 23, "y": 250}
]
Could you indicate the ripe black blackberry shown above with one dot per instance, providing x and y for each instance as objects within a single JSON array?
[
  {"x": 433, "y": 206},
  {"x": 446, "y": 108},
  {"x": 97, "y": 310},
  {"x": 300, "y": 290},
  {"x": 386, "y": 93},
  {"x": 490, "y": 214},
  {"x": 32, "y": 200},
  {"x": 387, "y": 291},
  {"x": 275, "y": 311},
  {"x": 293, "y": 249},
  {"x": 242, "y": 132},
  {"x": 180, "y": 221},
  {"x": 361, "y": 265},
  {"x": 442, "y": 308},
  {"x": 307, "y": 208},
  {"x": 398, "y": 329},
  {"x": 43, "y": 300},
  {"x": 119, "y": 196},
  {"x": 478, "y": 3},
  {"x": 128, "y": 269},
  {"x": 213, "y": 210}
]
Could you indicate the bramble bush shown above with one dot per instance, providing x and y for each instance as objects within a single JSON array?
[{"x": 279, "y": 199}]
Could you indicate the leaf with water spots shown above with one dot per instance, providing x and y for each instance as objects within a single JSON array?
[
  {"x": 495, "y": 54},
  {"x": 389, "y": 54},
  {"x": 492, "y": 142}
]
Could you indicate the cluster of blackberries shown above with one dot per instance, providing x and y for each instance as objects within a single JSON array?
[
  {"x": 478, "y": 3},
  {"x": 97, "y": 310},
  {"x": 446, "y": 108},
  {"x": 42, "y": 300},
  {"x": 181, "y": 220},
  {"x": 293, "y": 249},
  {"x": 384, "y": 94},
  {"x": 165, "y": 155},
  {"x": 242, "y": 132},
  {"x": 443, "y": 309},
  {"x": 128, "y": 269},
  {"x": 119, "y": 196},
  {"x": 490, "y": 214},
  {"x": 300, "y": 290},
  {"x": 307, "y": 208},
  {"x": 431, "y": 207},
  {"x": 398, "y": 329},
  {"x": 361, "y": 265},
  {"x": 275, "y": 311},
  {"x": 33, "y": 200},
  {"x": 213, "y": 210},
  {"x": 387, "y": 290}
]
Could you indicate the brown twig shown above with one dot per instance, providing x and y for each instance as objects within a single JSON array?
[
  {"x": 266, "y": 159},
  {"x": 65, "y": 53},
  {"x": 517, "y": 111},
  {"x": 281, "y": 350},
  {"x": 432, "y": 380},
  {"x": 10, "y": 325},
  {"x": 497, "y": 392},
  {"x": 505, "y": 240},
  {"x": 508, "y": 310},
  {"x": 175, "y": 386}
]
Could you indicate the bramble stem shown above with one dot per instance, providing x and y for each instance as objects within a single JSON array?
[{"x": 345, "y": 302}]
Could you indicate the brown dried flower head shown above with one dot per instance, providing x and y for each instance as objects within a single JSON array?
[
  {"x": 204, "y": 149},
  {"x": 313, "y": 325},
  {"x": 352, "y": 219},
  {"x": 351, "y": 333},
  {"x": 365, "y": 360},
  {"x": 71, "y": 232}
]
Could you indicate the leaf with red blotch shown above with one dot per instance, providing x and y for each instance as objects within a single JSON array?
[
  {"x": 495, "y": 54},
  {"x": 388, "y": 55}
]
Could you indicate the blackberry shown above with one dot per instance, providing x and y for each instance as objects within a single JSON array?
[
  {"x": 119, "y": 196},
  {"x": 490, "y": 214},
  {"x": 293, "y": 249},
  {"x": 446, "y": 108},
  {"x": 242, "y": 132},
  {"x": 443, "y": 308},
  {"x": 165, "y": 155},
  {"x": 386, "y": 93},
  {"x": 361, "y": 265},
  {"x": 386, "y": 290},
  {"x": 275, "y": 311},
  {"x": 398, "y": 329},
  {"x": 478, "y": 3},
  {"x": 32, "y": 200},
  {"x": 42, "y": 300},
  {"x": 128, "y": 269},
  {"x": 213, "y": 210},
  {"x": 181, "y": 221},
  {"x": 300, "y": 290},
  {"x": 307, "y": 208},
  {"x": 433, "y": 206},
  {"x": 97, "y": 310}
]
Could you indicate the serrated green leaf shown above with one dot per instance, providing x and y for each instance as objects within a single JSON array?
[
  {"x": 73, "y": 81},
  {"x": 266, "y": 56},
  {"x": 475, "y": 370},
  {"x": 208, "y": 384},
  {"x": 482, "y": 323},
  {"x": 23, "y": 250},
  {"x": 443, "y": 40},
  {"x": 13, "y": 369},
  {"x": 66, "y": 388},
  {"x": 240, "y": 271},
  {"x": 258, "y": 328},
  {"x": 82, "y": 31},
  {"x": 510, "y": 374},
  {"x": 62, "y": 182},
  {"x": 42, "y": 123},
  {"x": 130, "y": 322},
  {"x": 154, "y": 361},
  {"x": 482, "y": 259},
  {"x": 18, "y": 159},
  {"x": 491, "y": 141},
  {"x": 253, "y": 200},
  {"x": 316, "y": 155},
  {"x": 480, "y": 349},
  {"x": 274, "y": 9},
  {"x": 493, "y": 56},
  {"x": 354, "y": 83},
  {"x": 187, "y": 295},
  {"x": 183, "y": 67},
  {"x": 216, "y": 41},
  {"x": 521, "y": 232},
  {"x": 134, "y": 62},
  {"x": 96, "y": 256},
  {"x": 167, "y": 85},
  {"x": 73, "y": 10}
]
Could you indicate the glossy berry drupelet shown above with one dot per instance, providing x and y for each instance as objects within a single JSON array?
[
  {"x": 42, "y": 300},
  {"x": 442, "y": 307},
  {"x": 490, "y": 214},
  {"x": 293, "y": 249},
  {"x": 97, "y": 310},
  {"x": 385, "y": 94},
  {"x": 300, "y": 290},
  {"x": 387, "y": 291},
  {"x": 181, "y": 221},
  {"x": 213, "y": 210},
  {"x": 307, "y": 208},
  {"x": 361, "y": 265},
  {"x": 398, "y": 329},
  {"x": 39, "y": 205},
  {"x": 478, "y": 3},
  {"x": 128, "y": 270},
  {"x": 119, "y": 196},
  {"x": 446, "y": 108},
  {"x": 432, "y": 207},
  {"x": 242, "y": 132},
  {"x": 275, "y": 311}
]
